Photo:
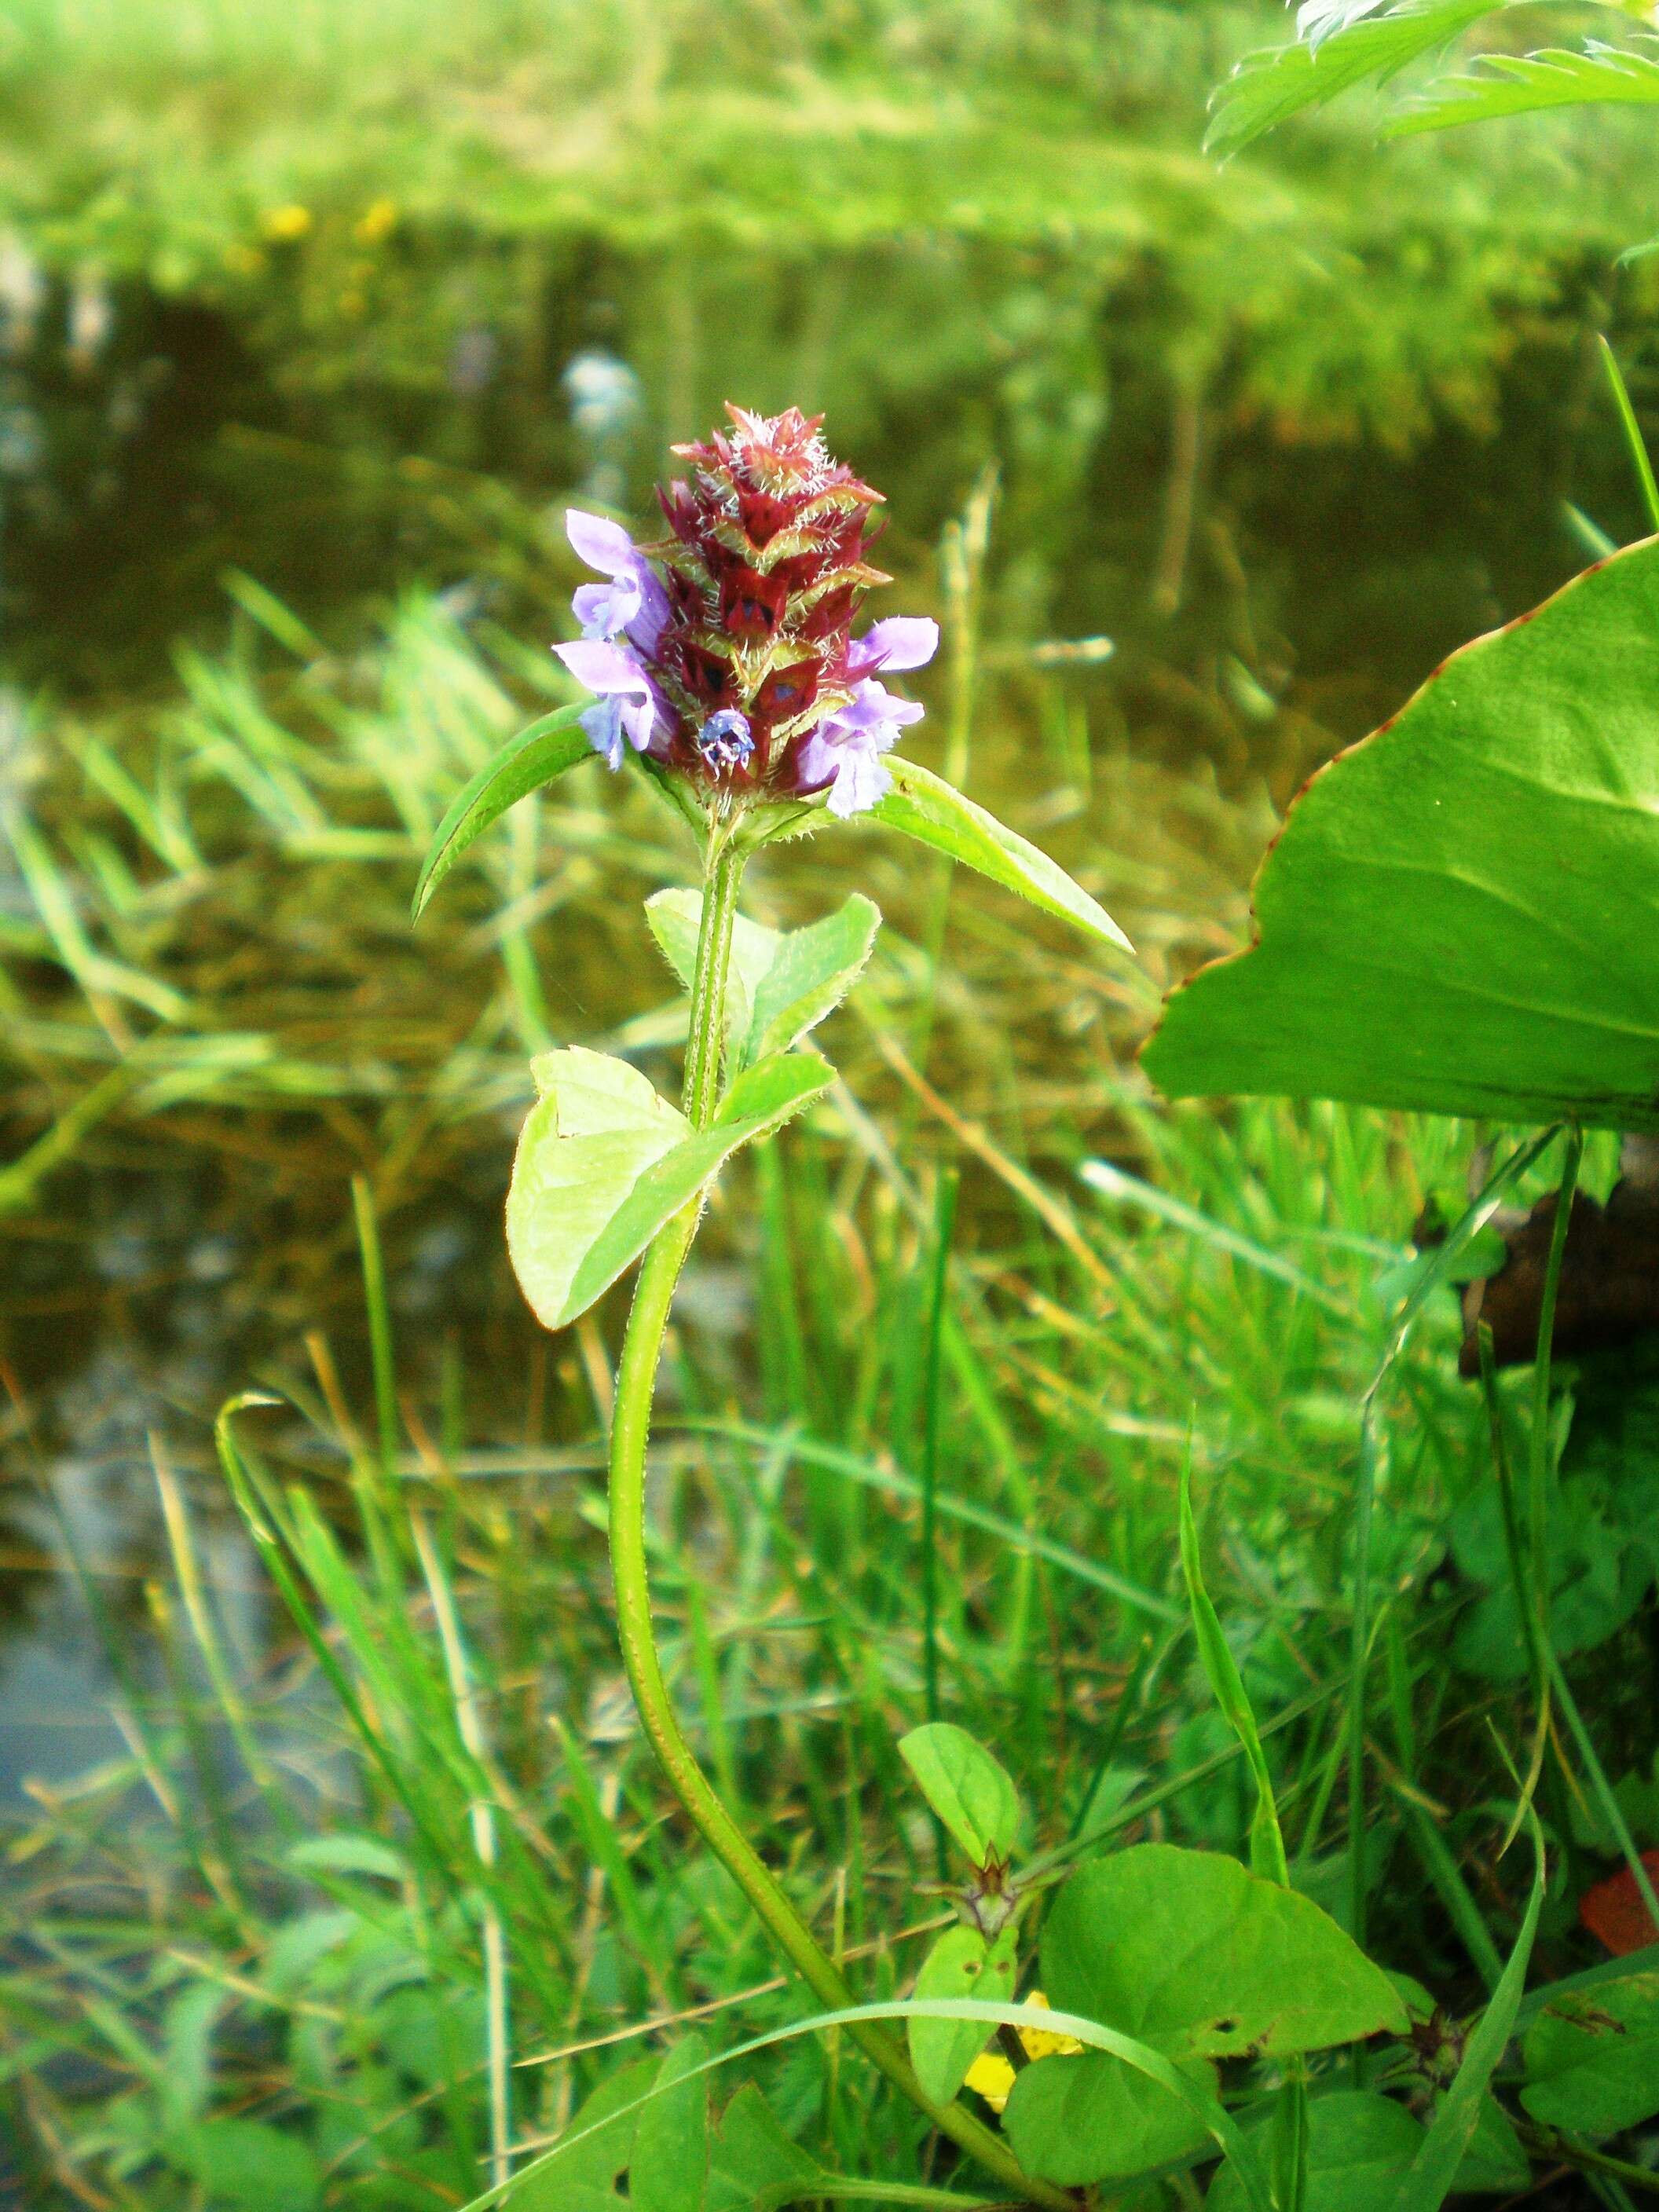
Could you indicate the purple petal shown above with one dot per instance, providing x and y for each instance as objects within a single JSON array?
[
  {"x": 604, "y": 667},
  {"x": 646, "y": 628},
  {"x": 602, "y": 724},
  {"x": 603, "y": 545},
  {"x": 901, "y": 641},
  {"x": 860, "y": 781},
  {"x": 872, "y": 708},
  {"x": 603, "y": 609}
]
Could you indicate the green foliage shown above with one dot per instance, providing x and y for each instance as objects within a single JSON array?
[
  {"x": 927, "y": 809},
  {"x": 1592, "y": 2058},
  {"x": 961, "y": 1963},
  {"x": 1191, "y": 1954},
  {"x": 1359, "y": 2146},
  {"x": 525, "y": 764},
  {"x": 969, "y": 1791},
  {"x": 603, "y": 1162},
  {"x": 1431, "y": 934},
  {"x": 781, "y": 984},
  {"x": 1525, "y": 84}
]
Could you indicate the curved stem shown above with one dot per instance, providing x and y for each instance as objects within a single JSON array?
[{"x": 648, "y": 1323}]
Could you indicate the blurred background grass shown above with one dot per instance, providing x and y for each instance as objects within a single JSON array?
[{"x": 312, "y": 319}]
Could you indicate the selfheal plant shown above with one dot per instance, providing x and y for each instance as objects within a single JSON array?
[{"x": 720, "y": 662}]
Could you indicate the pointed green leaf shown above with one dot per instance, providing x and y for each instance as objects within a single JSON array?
[
  {"x": 781, "y": 984},
  {"x": 961, "y": 1963},
  {"x": 924, "y": 806},
  {"x": 1457, "y": 917},
  {"x": 248, "y": 2164},
  {"x": 1190, "y": 1953},
  {"x": 1593, "y": 2058},
  {"x": 968, "y": 1789},
  {"x": 676, "y": 917},
  {"x": 534, "y": 757},
  {"x": 604, "y": 1162}
]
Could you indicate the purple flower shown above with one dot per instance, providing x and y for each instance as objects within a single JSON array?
[
  {"x": 845, "y": 751},
  {"x": 627, "y": 700},
  {"x": 902, "y": 641},
  {"x": 633, "y": 604}
]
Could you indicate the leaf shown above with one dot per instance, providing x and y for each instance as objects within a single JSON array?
[
  {"x": 1456, "y": 2125},
  {"x": 604, "y": 1162},
  {"x": 345, "y": 1853},
  {"x": 245, "y": 2163},
  {"x": 1496, "y": 2162},
  {"x": 669, "y": 2170},
  {"x": 968, "y": 1789},
  {"x": 1227, "y": 1687},
  {"x": 524, "y": 763},
  {"x": 1358, "y": 2146},
  {"x": 926, "y": 807},
  {"x": 599, "y": 2147},
  {"x": 960, "y": 1965},
  {"x": 754, "y": 2166},
  {"x": 1267, "y": 88},
  {"x": 1522, "y": 84},
  {"x": 1190, "y": 1953},
  {"x": 1457, "y": 916},
  {"x": 1593, "y": 2058},
  {"x": 781, "y": 984}
]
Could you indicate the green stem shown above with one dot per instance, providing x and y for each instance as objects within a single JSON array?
[{"x": 647, "y": 1323}]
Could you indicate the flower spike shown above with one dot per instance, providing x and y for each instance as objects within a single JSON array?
[{"x": 725, "y": 649}]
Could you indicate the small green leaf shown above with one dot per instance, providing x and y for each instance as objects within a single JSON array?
[
  {"x": 968, "y": 1789},
  {"x": 754, "y": 2166},
  {"x": 669, "y": 2170},
  {"x": 346, "y": 1853},
  {"x": 781, "y": 984},
  {"x": 1496, "y": 2162},
  {"x": 1188, "y": 1952},
  {"x": 246, "y": 2164},
  {"x": 534, "y": 757},
  {"x": 1593, "y": 2058},
  {"x": 604, "y": 1162},
  {"x": 1358, "y": 2146},
  {"x": 926, "y": 807},
  {"x": 961, "y": 1964}
]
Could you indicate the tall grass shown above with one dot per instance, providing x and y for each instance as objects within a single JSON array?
[{"x": 369, "y": 1905}]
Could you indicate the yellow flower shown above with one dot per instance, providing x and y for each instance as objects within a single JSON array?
[
  {"x": 284, "y": 224},
  {"x": 991, "y": 2076},
  {"x": 378, "y": 221}
]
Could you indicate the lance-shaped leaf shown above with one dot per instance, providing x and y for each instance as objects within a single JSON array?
[
  {"x": 524, "y": 763},
  {"x": 604, "y": 1162},
  {"x": 924, "y": 806},
  {"x": 781, "y": 982},
  {"x": 1458, "y": 917}
]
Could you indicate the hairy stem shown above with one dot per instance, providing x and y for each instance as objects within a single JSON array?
[{"x": 648, "y": 1322}]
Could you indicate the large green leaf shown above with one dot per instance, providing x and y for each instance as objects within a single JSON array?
[
  {"x": 1459, "y": 914},
  {"x": 604, "y": 1162},
  {"x": 1190, "y": 1953},
  {"x": 961, "y": 1963},
  {"x": 924, "y": 806},
  {"x": 669, "y": 2169},
  {"x": 968, "y": 1789},
  {"x": 248, "y": 2165},
  {"x": 781, "y": 982},
  {"x": 524, "y": 763},
  {"x": 1593, "y": 2058}
]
